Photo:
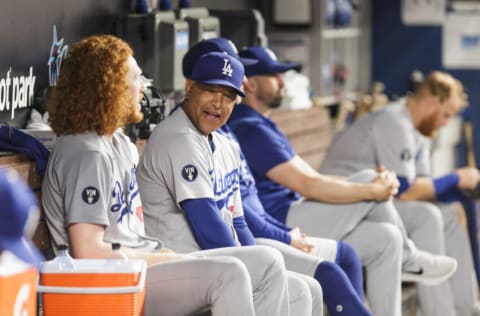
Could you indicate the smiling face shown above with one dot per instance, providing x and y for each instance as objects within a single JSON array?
[{"x": 208, "y": 106}]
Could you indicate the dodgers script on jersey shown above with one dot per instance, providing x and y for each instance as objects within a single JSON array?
[
  {"x": 182, "y": 164},
  {"x": 92, "y": 180}
]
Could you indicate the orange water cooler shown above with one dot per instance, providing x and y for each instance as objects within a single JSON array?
[
  {"x": 18, "y": 286},
  {"x": 93, "y": 287}
]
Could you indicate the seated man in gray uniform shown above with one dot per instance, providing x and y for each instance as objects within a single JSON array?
[
  {"x": 91, "y": 199},
  {"x": 358, "y": 211},
  {"x": 397, "y": 137},
  {"x": 332, "y": 263},
  {"x": 188, "y": 178}
]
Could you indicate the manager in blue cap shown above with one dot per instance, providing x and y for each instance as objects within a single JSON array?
[
  {"x": 317, "y": 257},
  {"x": 358, "y": 210},
  {"x": 188, "y": 177}
]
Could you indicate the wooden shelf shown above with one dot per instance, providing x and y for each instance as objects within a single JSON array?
[
  {"x": 330, "y": 100},
  {"x": 348, "y": 32}
]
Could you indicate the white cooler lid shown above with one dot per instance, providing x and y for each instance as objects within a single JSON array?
[{"x": 94, "y": 266}]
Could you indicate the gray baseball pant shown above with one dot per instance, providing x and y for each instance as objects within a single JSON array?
[
  {"x": 304, "y": 265},
  {"x": 376, "y": 232},
  {"x": 435, "y": 228}
]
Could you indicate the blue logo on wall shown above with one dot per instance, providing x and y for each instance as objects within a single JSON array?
[{"x": 189, "y": 173}]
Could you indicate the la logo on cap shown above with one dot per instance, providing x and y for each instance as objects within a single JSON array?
[{"x": 227, "y": 68}]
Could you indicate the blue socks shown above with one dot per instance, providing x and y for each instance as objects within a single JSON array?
[
  {"x": 338, "y": 293},
  {"x": 349, "y": 261}
]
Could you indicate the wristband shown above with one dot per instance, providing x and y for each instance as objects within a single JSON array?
[{"x": 444, "y": 183}]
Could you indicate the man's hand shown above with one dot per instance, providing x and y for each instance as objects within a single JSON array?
[
  {"x": 385, "y": 185},
  {"x": 299, "y": 240},
  {"x": 468, "y": 177}
]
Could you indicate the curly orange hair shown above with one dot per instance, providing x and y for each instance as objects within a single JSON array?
[{"x": 92, "y": 92}]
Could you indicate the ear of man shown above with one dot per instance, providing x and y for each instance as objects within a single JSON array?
[{"x": 250, "y": 85}]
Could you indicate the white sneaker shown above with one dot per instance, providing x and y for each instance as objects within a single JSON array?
[{"x": 428, "y": 269}]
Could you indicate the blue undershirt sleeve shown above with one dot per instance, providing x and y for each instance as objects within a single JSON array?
[
  {"x": 404, "y": 185},
  {"x": 446, "y": 188},
  {"x": 208, "y": 227},
  {"x": 260, "y": 227},
  {"x": 452, "y": 195},
  {"x": 445, "y": 183},
  {"x": 244, "y": 234},
  {"x": 272, "y": 220}
]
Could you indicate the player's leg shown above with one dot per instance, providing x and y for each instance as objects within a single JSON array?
[
  {"x": 435, "y": 269},
  {"x": 424, "y": 224},
  {"x": 268, "y": 275},
  {"x": 326, "y": 249},
  {"x": 464, "y": 286},
  {"x": 295, "y": 260},
  {"x": 189, "y": 286},
  {"x": 300, "y": 295},
  {"x": 339, "y": 294},
  {"x": 315, "y": 292},
  {"x": 379, "y": 246},
  {"x": 347, "y": 258}
]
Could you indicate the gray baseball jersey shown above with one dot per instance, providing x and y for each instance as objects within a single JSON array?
[
  {"x": 386, "y": 137},
  {"x": 90, "y": 179},
  {"x": 178, "y": 163}
]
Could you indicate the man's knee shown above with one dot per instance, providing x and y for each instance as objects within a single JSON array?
[
  {"x": 429, "y": 214},
  {"x": 230, "y": 270},
  {"x": 299, "y": 292},
  {"x": 270, "y": 258},
  {"x": 389, "y": 239},
  {"x": 364, "y": 176}
]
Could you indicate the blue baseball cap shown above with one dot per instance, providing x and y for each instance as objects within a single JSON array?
[
  {"x": 219, "y": 69},
  {"x": 218, "y": 44},
  {"x": 267, "y": 62},
  {"x": 18, "y": 217}
]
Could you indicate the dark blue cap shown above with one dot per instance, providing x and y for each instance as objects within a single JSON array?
[
  {"x": 18, "y": 217},
  {"x": 267, "y": 62},
  {"x": 219, "y": 69},
  {"x": 218, "y": 44}
]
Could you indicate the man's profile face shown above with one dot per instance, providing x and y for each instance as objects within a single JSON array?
[
  {"x": 136, "y": 87},
  {"x": 440, "y": 116},
  {"x": 208, "y": 106},
  {"x": 270, "y": 89}
]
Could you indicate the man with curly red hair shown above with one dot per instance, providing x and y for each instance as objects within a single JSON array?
[{"x": 91, "y": 198}]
